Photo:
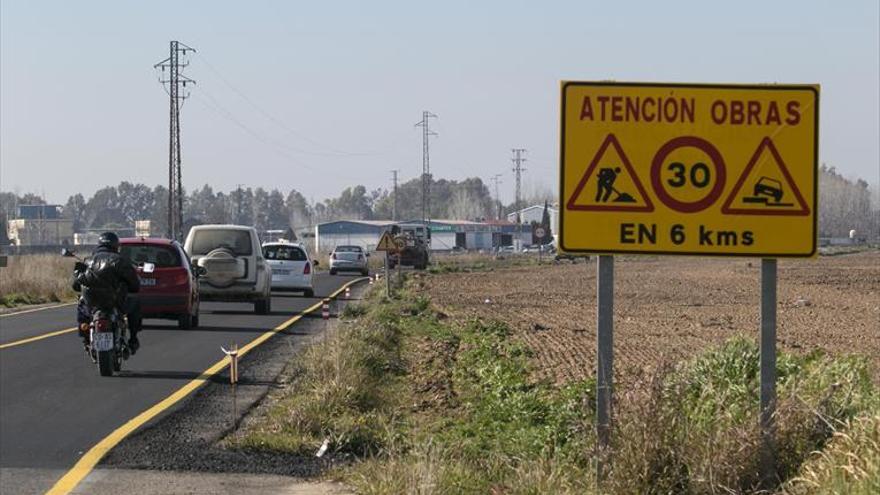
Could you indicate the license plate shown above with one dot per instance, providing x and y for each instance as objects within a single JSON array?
[
  {"x": 148, "y": 282},
  {"x": 103, "y": 341},
  {"x": 281, "y": 272}
]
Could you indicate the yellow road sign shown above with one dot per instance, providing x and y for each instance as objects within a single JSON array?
[
  {"x": 386, "y": 243},
  {"x": 693, "y": 169}
]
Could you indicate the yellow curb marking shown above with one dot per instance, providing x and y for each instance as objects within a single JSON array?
[{"x": 91, "y": 458}]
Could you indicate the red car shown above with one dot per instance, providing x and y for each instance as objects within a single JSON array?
[{"x": 171, "y": 291}]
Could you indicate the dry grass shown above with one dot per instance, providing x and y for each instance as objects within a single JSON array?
[
  {"x": 850, "y": 463},
  {"x": 35, "y": 279},
  {"x": 429, "y": 404}
]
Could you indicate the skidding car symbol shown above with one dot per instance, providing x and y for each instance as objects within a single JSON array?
[
  {"x": 765, "y": 189},
  {"x": 769, "y": 187}
]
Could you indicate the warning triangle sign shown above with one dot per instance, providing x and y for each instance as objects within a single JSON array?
[
  {"x": 765, "y": 187},
  {"x": 610, "y": 183},
  {"x": 386, "y": 243}
]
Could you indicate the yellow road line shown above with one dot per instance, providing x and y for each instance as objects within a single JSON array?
[
  {"x": 38, "y": 337},
  {"x": 91, "y": 458},
  {"x": 26, "y": 311}
]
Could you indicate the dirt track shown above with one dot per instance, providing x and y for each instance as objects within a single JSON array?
[{"x": 668, "y": 308}]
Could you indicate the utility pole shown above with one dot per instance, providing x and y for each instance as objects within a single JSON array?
[
  {"x": 175, "y": 184},
  {"x": 426, "y": 165},
  {"x": 497, "y": 180},
  {"x": 394, "y": 203},
  {"x": 518, "y": 170}
]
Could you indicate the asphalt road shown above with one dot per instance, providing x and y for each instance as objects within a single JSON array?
[{"x": 54, "y": 406}]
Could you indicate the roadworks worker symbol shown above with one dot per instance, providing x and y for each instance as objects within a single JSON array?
[
  {"x": 766, "y": 187},
  {"x": 610, "y": 183}
]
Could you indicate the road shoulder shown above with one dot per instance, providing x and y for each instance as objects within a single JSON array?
[{"x": 189, "y": 440}]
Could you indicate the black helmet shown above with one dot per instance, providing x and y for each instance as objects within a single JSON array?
[{"x": 109, "y": 240}]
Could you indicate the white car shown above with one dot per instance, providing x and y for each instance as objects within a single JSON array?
[
  {"x": 349, "y": 259},
  {"x": 235, "y": 269},
  {"x": 291, "y": 267}
]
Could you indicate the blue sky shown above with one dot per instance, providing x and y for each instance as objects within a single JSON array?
[{"x": 321, "y": 95}]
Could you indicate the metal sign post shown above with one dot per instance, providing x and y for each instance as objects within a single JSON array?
[
  {"x": 540, "y": 233},
  {"x": 768, "y": 370},
  {"x": 604, "y": 353},
  {"x": 387, "y": 277}
]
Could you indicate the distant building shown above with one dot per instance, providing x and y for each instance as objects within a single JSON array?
[
  {"x": 44, "y": 232},
  {"x": 38, "y": 212},
  {"x": 86, "y": 238},
  {"x": 446, "y": 235},
  {"x": 39, "y": 225},
  {"x": 535, "y": 214},
  {"x": 143, "y": 228},
  {"x": 364, "y": 233}
]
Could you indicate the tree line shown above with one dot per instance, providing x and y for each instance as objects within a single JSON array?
[
  {"x": 118, "y": 207},
  {"x": 844, "y": 205}
]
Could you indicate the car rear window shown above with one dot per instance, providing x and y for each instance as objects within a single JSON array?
[
  {"x": 237, "y": 241},
  {"x": 285, "y": 253},
  {"x": 349, "y": 249},
  {"x": 161, "y": 256}
]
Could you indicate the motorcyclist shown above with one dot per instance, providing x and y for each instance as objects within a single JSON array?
[{"x": 106, "y": 281}]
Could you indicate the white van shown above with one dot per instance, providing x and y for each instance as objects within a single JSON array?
[{"x": 235, "y": 268}]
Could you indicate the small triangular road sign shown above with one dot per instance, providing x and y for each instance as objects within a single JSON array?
[
  {"x": 765, "y": 187},
  {"x": 611, "y": 187},
  {"x": 386, "y": 243}
]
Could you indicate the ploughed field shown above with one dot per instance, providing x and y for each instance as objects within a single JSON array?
[{"x": 666, "y": 309}]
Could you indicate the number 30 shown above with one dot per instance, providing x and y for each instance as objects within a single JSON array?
[{"x": 699, "y": 174}]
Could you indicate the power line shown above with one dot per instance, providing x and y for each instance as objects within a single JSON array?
[
  {"x": 330, "y": 150},
  {"x": 426, "y": 164},
  {"x": 175, "y": 81}
]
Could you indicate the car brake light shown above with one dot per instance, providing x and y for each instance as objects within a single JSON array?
[
  {"x": 102, "y": 326},
  {"x": 307, "y": 269},
  {"x": 180, "y": 278},
  {"x": 333, "y": 256}
]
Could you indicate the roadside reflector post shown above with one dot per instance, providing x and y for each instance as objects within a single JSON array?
[
  {"x": 325, "y": 315},
  {"x": 347, "y": 292},
  {"x": 768, "y": 371},
  {"x": 605, "y": 357},
  {"x": 233, "y": 362}
]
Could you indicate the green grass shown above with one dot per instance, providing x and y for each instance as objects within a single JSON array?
[{"x": 429, "y": 406}]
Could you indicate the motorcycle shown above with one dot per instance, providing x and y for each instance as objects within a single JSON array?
[{"x": 108, "y": 329}]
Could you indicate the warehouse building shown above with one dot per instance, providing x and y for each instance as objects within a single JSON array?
[
  {"x": 446, "y": 235},
  {"x": 535, "y": 214},
  {"x": 39, "y": 225}
]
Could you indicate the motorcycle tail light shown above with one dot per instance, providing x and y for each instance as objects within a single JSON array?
[
  {"x": 103, "y": 326},
  {"x": 307, "y": 269}
]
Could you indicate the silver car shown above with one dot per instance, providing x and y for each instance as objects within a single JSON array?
[{"x": 349, "y": 259}]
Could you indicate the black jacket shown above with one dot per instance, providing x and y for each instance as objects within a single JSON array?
[{"x": 106, "y": 278}]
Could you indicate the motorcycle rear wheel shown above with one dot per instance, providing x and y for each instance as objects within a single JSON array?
[{"x": 106, "y": 362}]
